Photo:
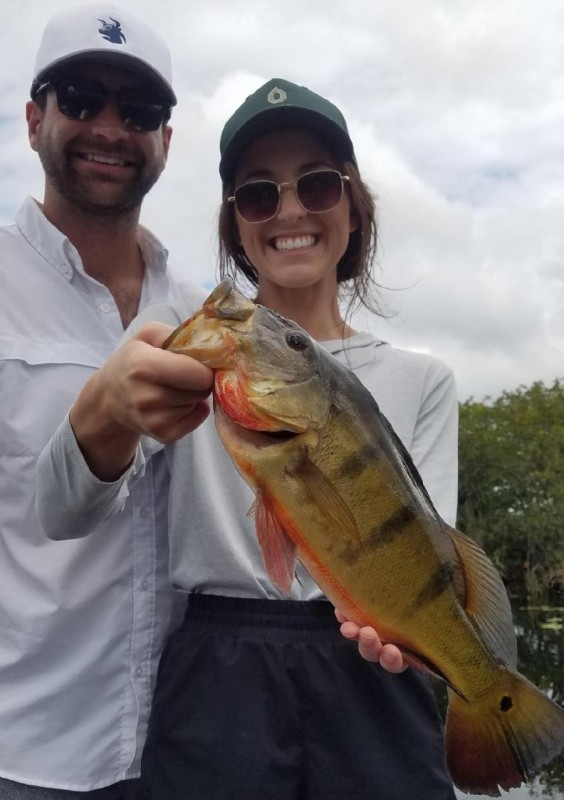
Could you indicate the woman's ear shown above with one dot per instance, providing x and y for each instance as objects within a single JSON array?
[{"x": 354, "y": 220}]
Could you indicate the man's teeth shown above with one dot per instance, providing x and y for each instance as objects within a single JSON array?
[
  {"x": 116, "y": 162},
  {"x": 294, "y": 244}
]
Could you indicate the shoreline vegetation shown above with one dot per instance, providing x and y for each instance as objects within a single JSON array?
[
  {"x": 511, "y": 487},
  {"x": 511, "y": 501}
]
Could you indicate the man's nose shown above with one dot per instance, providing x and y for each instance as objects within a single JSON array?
[{"x": 109, "y": 124}]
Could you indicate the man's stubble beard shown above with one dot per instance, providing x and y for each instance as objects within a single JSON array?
[{"x": 81, "y": 191}]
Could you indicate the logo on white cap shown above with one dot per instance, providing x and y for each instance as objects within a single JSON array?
[
  {"x": 276, "y": 96},
  {"x": 111, "y": 31}
]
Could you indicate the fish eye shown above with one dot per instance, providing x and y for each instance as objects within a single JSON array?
[{"x": 297, "y": 340}]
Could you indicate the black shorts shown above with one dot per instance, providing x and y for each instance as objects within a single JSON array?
[{"x": 265, "y": 700}]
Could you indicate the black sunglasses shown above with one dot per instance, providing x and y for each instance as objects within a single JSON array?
[
  {"x": 84, "y": 99},
  {"x": 317, "y": 192}
]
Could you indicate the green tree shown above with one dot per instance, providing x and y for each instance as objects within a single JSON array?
[{"x": 511, "y": 495}]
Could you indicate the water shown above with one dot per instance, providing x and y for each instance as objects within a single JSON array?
[{"x": 540, "y": 635}]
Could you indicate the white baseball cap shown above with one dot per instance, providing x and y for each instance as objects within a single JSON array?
[{"x": 104, "y": 33}]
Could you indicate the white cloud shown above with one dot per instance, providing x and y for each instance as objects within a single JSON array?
[{"x": 457, "y": 112}]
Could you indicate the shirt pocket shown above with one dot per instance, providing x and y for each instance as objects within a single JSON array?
[{"x": 39, "y": 382}]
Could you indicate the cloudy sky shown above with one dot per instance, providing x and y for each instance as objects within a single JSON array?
[{"x": 456, "y": 108}]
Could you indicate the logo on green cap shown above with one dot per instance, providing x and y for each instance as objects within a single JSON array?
[{"x": 276, "y": 96}]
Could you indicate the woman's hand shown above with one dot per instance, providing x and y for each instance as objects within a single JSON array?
[{"x": 370, "y": 645}]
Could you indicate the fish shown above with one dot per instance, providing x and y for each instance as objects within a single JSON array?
[{"x": 336, "y": 489}]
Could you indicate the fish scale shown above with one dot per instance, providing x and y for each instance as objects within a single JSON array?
[{"x": 336, "y": 489}]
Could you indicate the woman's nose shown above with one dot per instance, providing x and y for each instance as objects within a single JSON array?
[{"x": 289, "y": 206}]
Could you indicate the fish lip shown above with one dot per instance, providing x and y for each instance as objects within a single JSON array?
[{"x": 255, "y": 438}]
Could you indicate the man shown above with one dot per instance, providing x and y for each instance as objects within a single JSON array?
[{"x": 81, "y": 622}]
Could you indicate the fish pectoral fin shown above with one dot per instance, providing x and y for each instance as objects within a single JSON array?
[
  {"x": 327, "y": 499},
  {"x": 278, "y": 549},
  {"x": 486, "y": 604}
]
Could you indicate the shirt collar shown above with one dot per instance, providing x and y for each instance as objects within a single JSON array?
[{"x": 62, "y": 255}]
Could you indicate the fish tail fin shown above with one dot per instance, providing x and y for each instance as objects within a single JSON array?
[{"x": 504, "y": 739}]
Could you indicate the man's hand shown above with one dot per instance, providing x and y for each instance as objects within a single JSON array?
[{"x": 141, "y": 389}]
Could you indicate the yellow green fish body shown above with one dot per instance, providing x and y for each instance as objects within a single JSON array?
[{"x": 336, "y": 489}]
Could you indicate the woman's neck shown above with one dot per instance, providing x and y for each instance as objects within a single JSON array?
[{"x": 314, "y": 310}]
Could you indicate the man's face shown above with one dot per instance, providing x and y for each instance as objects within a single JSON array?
[{"x": 101, "y": 166}]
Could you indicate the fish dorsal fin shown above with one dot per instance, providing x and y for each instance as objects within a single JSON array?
[
  {"x": 487, "y": 604},
  {"x": 278, "y": 550},
  {"x": 327, "y": 499}
]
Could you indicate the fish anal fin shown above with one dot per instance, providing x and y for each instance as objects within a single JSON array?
[
  {"x": 327, "y": 499},
  {"x": 486, "y": 602},
  {"x": 421, "y": 664},
  {"x": 278, "y": 549}
]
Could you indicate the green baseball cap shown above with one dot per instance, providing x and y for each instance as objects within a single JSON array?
[{"x": 282, "y": 104}]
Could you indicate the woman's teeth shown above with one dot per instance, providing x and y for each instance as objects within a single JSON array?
[{"x": 294, "y": 244}]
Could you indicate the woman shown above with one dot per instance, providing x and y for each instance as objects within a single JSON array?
[{"x": 258, "y": 695}]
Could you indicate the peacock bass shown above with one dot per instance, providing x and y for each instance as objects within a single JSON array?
[{"x": 336, "y": 489}]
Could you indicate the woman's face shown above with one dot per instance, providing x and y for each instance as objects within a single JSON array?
[{"x": 295, "y": 248}]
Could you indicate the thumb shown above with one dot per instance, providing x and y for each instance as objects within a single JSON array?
[{"x": 153, "y": 333}]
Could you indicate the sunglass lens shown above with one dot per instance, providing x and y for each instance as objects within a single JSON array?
[
  {"x": 140, "y": 110},
  {"x": 320, "y": 191},
  {"x": 80, "y": 100},
  {"x": 84, "y": 99},
  {"x": 257, "y": 201}
]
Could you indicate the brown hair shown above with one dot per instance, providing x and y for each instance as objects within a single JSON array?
[{"x": 354, "y": 270}]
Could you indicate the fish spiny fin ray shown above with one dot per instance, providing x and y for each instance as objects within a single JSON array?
[
  {"x": 487, "y": 604},
  {"x": 278, "y": 550},
  {"x": 327, "y": 499}
]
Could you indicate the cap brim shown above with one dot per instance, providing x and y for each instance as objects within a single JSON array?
[
  {"x": 122, "y": 60},
  {"x": 286, "y": 116}
]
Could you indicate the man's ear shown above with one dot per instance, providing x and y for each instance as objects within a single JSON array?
[
  {"x": 34, "y": 117},
  {"x": 167, "y": 135}
]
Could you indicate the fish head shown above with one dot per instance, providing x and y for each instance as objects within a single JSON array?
[
  {"x": 267, "y": 371},
  {"x": 212, "y": 333}
]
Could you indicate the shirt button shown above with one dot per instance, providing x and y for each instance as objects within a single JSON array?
[
  {"x": 143, "y": 513},
  {"x": 139, "y": 671},
  {"x": 145, "y": 585},
  {"x": 105, "y": 307}
]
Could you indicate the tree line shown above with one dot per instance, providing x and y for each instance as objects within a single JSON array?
[{"x": 511, "y": 486}]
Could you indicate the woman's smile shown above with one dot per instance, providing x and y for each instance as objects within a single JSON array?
[{"x": 287, "y": 243}]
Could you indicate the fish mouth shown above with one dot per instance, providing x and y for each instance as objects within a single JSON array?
[
  {"x": 280, "y": 435},
  {"x": 229, "y": 428}
]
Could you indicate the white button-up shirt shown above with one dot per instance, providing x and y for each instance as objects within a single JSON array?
[{"x": 81, "y": 622}]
